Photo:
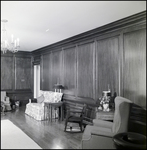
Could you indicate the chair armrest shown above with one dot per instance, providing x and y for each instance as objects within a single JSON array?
[
  {"x": 102, "y": 123},
  {"x": 7, "y": 100},
  {"x": 102, "y": 133},
  {"x": 74, "y": 111}
]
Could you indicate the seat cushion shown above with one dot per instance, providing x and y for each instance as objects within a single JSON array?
[{"x": 89, "y": 129}]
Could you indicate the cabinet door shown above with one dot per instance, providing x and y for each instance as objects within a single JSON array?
[
  {"x": 69, "y": 63},
  {"x": 22, "y": 73},
  {"x": 107, "y": 65},
  {"x": 85, "y": 70},
  {"x": 7, "y": 73},
  {"x": 134, "y": 69}
]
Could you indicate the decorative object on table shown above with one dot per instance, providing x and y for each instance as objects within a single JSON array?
[
  {"x": 17, "y": 103},
  {"x": 58, "y": 87},
  {"x": 104, "y": 101}
]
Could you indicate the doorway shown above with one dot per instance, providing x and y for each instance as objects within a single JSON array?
[{"x": 36, "y": 81}]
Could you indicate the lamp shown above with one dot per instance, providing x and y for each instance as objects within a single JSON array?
[
  {"x": 5, "y": 46},
  {"x": 58, "y": 87}
]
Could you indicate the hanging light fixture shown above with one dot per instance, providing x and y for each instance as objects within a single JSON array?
[{"x": 14, "y": 45}]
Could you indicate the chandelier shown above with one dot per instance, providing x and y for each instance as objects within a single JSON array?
[{"x": 14, "y": 45}]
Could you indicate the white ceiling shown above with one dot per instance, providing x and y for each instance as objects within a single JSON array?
[{"x": 29, "y": 20}]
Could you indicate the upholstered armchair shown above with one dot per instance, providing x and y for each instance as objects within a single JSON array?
[
  {"x": 99, "y": 136},
  {"x": 5, "y": 100}
]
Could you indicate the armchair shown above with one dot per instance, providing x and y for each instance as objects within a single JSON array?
[
  {"x": 99, "y": 136},
  {"x": 5, "y": 101}
]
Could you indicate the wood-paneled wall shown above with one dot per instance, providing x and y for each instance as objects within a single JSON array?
[
  {"x": 86, "y": 64},
  {"x": 16, "y": 76}
]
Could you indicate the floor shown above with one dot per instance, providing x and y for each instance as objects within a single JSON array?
[{"x": 48, "y": 135}]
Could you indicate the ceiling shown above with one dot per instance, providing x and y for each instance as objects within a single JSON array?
[{"x": 41, "y": 23}]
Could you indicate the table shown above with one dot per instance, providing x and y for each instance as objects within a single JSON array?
[
  {"x": 105, "y": 115},
  {"x": 55, "y": 105},
  {"x": 129, "y": 140}
]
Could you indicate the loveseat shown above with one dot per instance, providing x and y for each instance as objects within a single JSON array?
[{"x": 36, "y": 110}]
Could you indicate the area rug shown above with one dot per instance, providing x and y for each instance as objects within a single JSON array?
[{"x": 14, "y": 138}]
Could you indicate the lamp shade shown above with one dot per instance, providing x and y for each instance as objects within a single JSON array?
[{"x": 58, "y": 86}]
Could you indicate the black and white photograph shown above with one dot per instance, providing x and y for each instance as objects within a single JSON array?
[{"x": 73, "y": 74}]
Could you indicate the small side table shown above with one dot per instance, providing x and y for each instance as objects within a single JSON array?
[
  {"x": 54, "y": 105},
  {"x": 129, "y": 140}
]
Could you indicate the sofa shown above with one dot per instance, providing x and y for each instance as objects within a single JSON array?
[{"x": 37, "y": 109}]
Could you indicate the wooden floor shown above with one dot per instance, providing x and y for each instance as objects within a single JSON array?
[{"x": 48, "y": 135}]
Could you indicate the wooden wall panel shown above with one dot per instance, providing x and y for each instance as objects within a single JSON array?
[
  {"x": 134, "y": 69},
  {"x": 22, "y": 73},
  {"x": 69, "y": 70},
  {"x": 56, "y": 68},
  {"x": 107, "y": 65},
  {"x": 46, "y": 72},
  {"x": 7, "y": 73},
  {"x": 85, "y": 70}
]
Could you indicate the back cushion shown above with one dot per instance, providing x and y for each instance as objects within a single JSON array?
[
  {"x": 52, "y": 97},
  {"x": 40, "y": 99},
  {"x": 57, "y": 97},
  {"x": 49, "y": 96}
]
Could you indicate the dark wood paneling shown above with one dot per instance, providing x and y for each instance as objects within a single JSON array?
[
  {"x": 22, "y": 96},
  {"x": 22, "y": 73},
  {"x": 107, "y": 65},
  {"x": 69, "y": 58},
  {"x": 47, "y": 71},
  {"x": 134, "y": 69},
  {"x": 56, "y": 67},
  {"x": 7, "y": 73},
  {"x": 85, "y": 70}
]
